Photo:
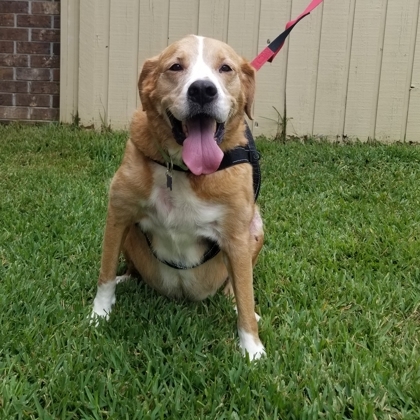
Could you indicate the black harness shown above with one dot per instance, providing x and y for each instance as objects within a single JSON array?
[{"x": 236, "y": 156}]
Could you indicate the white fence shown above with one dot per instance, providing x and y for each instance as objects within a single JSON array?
[{"x": 349, "y": 70}]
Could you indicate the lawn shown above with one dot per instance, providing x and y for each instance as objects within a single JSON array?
[{"x": 337, "y": 285}]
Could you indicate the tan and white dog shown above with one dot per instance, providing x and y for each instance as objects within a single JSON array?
[{"x": 194, "y": 97}]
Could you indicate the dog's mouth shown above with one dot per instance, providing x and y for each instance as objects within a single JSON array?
[{"x": 200, "y": 137}]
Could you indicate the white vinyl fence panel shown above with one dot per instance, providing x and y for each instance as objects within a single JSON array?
[{"x": 350, "y": 70}]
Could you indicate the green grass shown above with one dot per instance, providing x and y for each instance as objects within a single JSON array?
[{"x": 337, "y": 285}]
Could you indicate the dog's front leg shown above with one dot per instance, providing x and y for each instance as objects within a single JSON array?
[
  {"x": 239, "y": 261},
  {"x": 115, "y": 232}
]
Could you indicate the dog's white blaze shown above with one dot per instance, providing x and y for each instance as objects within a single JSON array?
[
  {"x": 251, "y": 345},
  {"x": 104, "y": 299},
  {"x": 201, "y": 70}
]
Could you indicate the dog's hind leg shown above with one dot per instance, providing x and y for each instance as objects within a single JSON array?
[
  {"x": 130, "y": 272},
  {"x": 228, "y": 290}
]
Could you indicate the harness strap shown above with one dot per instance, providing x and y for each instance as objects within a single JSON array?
[{"x": 208, "y": 255}]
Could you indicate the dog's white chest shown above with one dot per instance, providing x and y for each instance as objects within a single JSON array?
[{"x": 180, "y": 223}]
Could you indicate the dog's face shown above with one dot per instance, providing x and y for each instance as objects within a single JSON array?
[{"x": 200, "y": 88}]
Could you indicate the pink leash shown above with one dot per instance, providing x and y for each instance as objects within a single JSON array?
[{"x": 269, "y": 52}]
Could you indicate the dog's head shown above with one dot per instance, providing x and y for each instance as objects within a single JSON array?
[{"x": 200, "y": 89}]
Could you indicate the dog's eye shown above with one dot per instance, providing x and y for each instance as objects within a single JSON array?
[
  {"x": 176, "y": 67},
  {"x": 225, "y": 69}
]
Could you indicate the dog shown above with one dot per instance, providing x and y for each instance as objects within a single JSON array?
[{"x": 185, "y": 225}]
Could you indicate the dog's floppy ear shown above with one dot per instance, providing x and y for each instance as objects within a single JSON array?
[
  {"x": 248, "y": 82},
  {"x": 146, "y": 78}
]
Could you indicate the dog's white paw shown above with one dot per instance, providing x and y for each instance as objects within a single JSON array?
[
  {"x": 103, "y": 302},
  {"x": 251, "y": 345},
  {"x": 95, "y": 316}
]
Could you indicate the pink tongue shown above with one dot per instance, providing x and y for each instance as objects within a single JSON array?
[{"x": 200, "y": 151}]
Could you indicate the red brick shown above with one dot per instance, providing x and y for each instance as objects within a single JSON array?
[
  {"x": 56, "y": 101},
  {"x": 50, "y": 35},
  {"x": 6, "y": 99},
  {"x": 13, "y": 6},
  {"x": 57, "y": 22},
  {"x": 7, "y": 19},
  {"x": 56, "y": 48},
  {"x": 44, "y": 87},
  {"x": 45, "y": 8},
  {"x": 44, "y": 114},
  {"x": 6, "y": 73},
  {"x": 56, "y": 75},
  {"x": 32, "y": 74},
  {"x": 6, "y": 47},
  {"x": 33, "y": 47},
  {"x": 13, "y": 113},
  {"x": 14, "y": 34},
  {"x": 45, "y": 61},
  {"x": 31, "y": 21},
  {"x": 25, "y": 99},
  {"x": 13, "y": 60},
  {"x": 13, "y": 87}
]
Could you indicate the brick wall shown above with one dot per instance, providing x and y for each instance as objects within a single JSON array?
[{"x": 29, "y": 60}]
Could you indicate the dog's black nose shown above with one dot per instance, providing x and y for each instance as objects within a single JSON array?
[{"x": 202, "y": 92}]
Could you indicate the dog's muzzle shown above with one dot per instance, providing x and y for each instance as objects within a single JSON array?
[{"x": 201, "y": 132}]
